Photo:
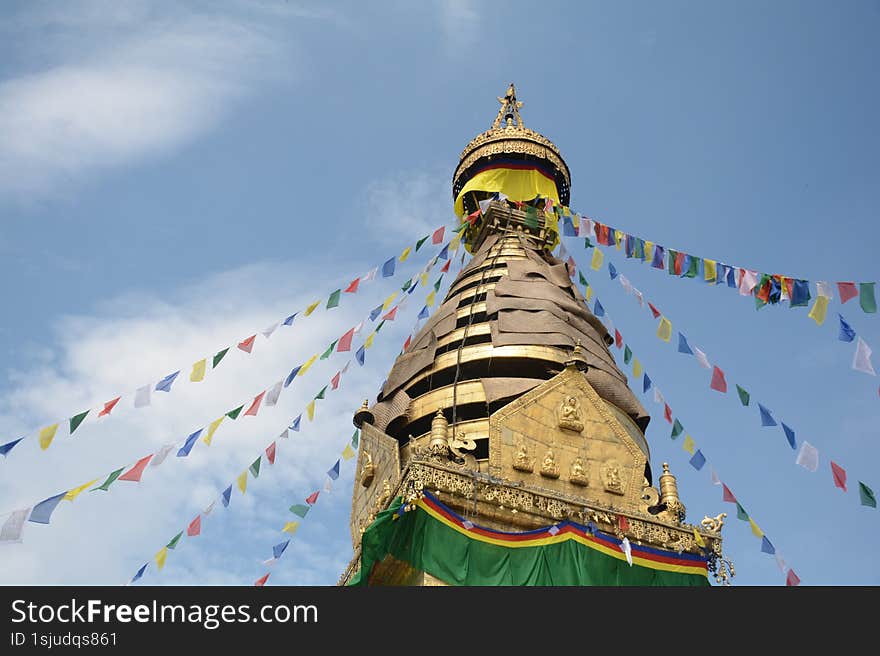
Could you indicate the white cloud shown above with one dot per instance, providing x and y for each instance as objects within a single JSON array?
[
  {"x": 125, "y": 87},
  {"x": 460, "y": 21}
]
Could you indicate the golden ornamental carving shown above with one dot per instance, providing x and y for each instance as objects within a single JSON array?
[
  {"x": 611, "y": 477},
  {"x": 675, "y": 510},
  {"x": 522, "y": 462},
  {"x": 383, "y": 498},
  {"x": 577, "y": 475},
  {"x": 713, "y": 524},
  {"x": 549, "y": 468},
  {"x": 570, "y": 414},
  {"x": 368, "y": 470}
]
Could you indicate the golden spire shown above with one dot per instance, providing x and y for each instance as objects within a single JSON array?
[{"x": 509, "y": 111}]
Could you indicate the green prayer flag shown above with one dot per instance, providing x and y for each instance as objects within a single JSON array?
[
  {"x": 694, "y": 268},
  {"x": 112, "y": 477},
  {"x": 741, "y": 513},
  {"x": 255, "y": 467},
  {"x": 583, "y": 280},
  {"x": 627, "y": 354},
  {"x": 333, "y": 301},
  {"x": 677, "y": 429},
  {"x": 437, "y": 284},
  {"x": 866, "y": 297},
  {"x": 743, "y": 395},
  {"x": 233, "y": 414},
  {"x": 379, "y": 327},
  {"x": 300, "y": 509},
  {"x": 326, "y": 354},
  {"x": 866, "y": 496},
  {"x": 355, "y": 439},
  {"x": 321, "y": 393},
  {"x": 420, "y": 242},
  {"x": 671, "y": 258},
  {"x": 219, "y": 357},
  {"x": 587, "y": 243},
  {"x": 76, "y": 420},
  {"x": 531, "y": 216},
  {"x": 174, "y": 541},
  {"x": 406, "y": 285}
]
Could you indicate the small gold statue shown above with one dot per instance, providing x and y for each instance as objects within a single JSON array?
[
  {"x": 713, "y": 524},
  {"x": 522, "y": 462},
  {"x": 576, "y": 474},
  {"x": 383, "y": 498},
  {"x": 611, "y": 475},
  {"x": 368, "y": 470},
  {"x": 549, "y": 468},
  {"x": 569, "y": 415}
]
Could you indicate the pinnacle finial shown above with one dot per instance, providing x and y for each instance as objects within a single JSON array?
[{"x": 509, "y": 112}]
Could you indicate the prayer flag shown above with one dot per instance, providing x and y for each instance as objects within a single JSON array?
[
  {"x": 709, "y": 270},
  {"x": 348, "y": 453},
  {"x": 108, "y": 407},
  {"x": 637, "y": 368},
  {"x": 847, "y": 291},
  {"x": 743, "y": 395},
  {"x": 10, "y": 532},
  {"x": 862, "y": 358},
  {"x": 161, "y": 557},
  {"x": 718, "y": 383},
  {"x": 646, "y": 384},
  {"x": 312, "y": 498},
  {"x": 664, "y": 330},
  {"x": 133, "y": 474},
  {"x": 255, "y": 467},
  {"x": 846, "y": 334},
  {"x": 667, "y": 412},
  {"x": 73, "y": 493},
  {"x": 333, "y": 472},
  {"x": 248, "y": 344},
  {"x": 242, "y": 481},
  {"x": 618, "y": 338},
  {"x": 741, "y": 513},
  {"x": 596, "y": 262},
  {"x": 627, "y": 550},
  {"x": 352, "y": 286},
  {"x": 188, "y": 445},
  {"x": 359, "y": 355},
  {"x": 766, "y": 418},
  {"x": 808, "y": 457},
  {"x": 800, "y": 293},
  {"x": 866, "y": 297},
  {"x": 334, "y": 382},
  {"x": 195, "y": 527},
  {"x": 309, "y": 363},
  {"x": 677, "y": 429},
  {"x": 757, "y": 532},
  {"x": 198, "y": 371},
  {"x": 699, "y": 538},
  {"x": 300, "y": 510},
  {"x": 9, "y": 446},
  {"x": 273, "y": 393},
  {"x": 270, "y": 453},
  {"x": 866, "y": 496},
  {"x": 345, "y": 341},
  {"x": 767, "y": 546},
  {"x": 295, "y": 425},
  {"x": 598, "y": 310},
  {"x": 612, "y": 271},
  {"x": 219, "y": 355},
  {"x": 76, "y": 420},
  {"x": 311, "y": 308},
  {"x": 789, "y": 435},
  {"x": 437, "y": 237},
  {"x": 727, "y": 495},
  {"x": 142, "y": 396},
  {"x": 405, "y": 254},
  {"x": 791, "y": 579},
  {"x": 47, "y": 434},
  {"x": 290, "y": 527},
  {"x": 310, "y": 410},
  {"x": 683, "y": 346},
  {"x": 819, "y": 310},
  {"x": 255, "y": 405},
  {"x": 698, "y": 460},
  {"x": 688, "y": 444},
  {"x": 260, "y": 582},
  {"x": 388, "y": 268},
  {"x": 292, "y": 375},
  {"x": 226, "y": 494},
  {"x": 164, "y": 385},
  {"x": 42, "y": 512},
  {"x": 839, "y": 475},
  {"x": 627, "y": 354},
  {"x": 701, "y": 358},
  {"x": 333, "y": 301}
]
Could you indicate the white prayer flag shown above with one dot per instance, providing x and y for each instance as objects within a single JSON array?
[
  {"x": 284, "y": 434},
  {"x": 780, "y": 563},
  {"x": 862, "y": 358},
  {"x": 715, "y": 479},
  {"x": 638, "y": 296},
  {"x": 142, "y": 396},
  {"x": 484, "y": 205},
  {"x": 161, "y": 454},
  {"x": 625, "y": 283},
  {"x": 627, "y": 550},
  {"x": 701, "y": 357},
  {"x": 808, "y": 456},
  {"x": 586, "y": 227},
  {"x": 747, "y": 282},
  {"x": 271, "y": 329},
  {"x": 371, "y": 275},
  {"x": 273, "y": 394},
  {"x": 327, "y": 485},
  {"x": 207, "y": 511},
  {"x": 658, "y": 397},
  {"x": 824, "y": 289},
  {"x": 10, "y": 532}
]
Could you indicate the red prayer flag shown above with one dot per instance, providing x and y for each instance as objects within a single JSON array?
[
  {"x": 353, "y": 286},
  {"x": 312, "y": 498},
  {"x": 247, "y": 344},
  {"x": 108, "y": 407},
  {"x": 437, "y": 237},
  {"x": 622, "y": 523},
  {"x": 445, "y": 267},
  {"x": 847, "y": 290},
  {"x": 260, "y": 582},
  {"x": 726, "y": 494},
  {"x": 618, "y": 338},
  {"x": 654, "y": 310},
  {"x": 407, "y": 343},
  {"x": 839, "y": 474},
  {"x": 334, "y": 382},
  {"x": 195, "y": 527},
  {"x": 389, "y": 316},
  {"x": 345, "y": 341},
  {"x": 718, "y": 383},
  {"x": 667, "y": 412},
  {"x": 792, "y": 579},
  {"x": 270, "y": 453},
  {"x": 679, "y": 262},
  {"x": 472, "y": 217},
  {"x": 255, "y": 406},
  {"x": 135, "y": 473},
  {"x": 764, "y": 292}
]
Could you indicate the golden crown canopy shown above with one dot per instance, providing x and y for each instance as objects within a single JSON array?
[{"x": 509, "y": 139}]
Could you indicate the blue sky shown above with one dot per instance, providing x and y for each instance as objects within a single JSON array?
[{"x": 174, "y": 179}]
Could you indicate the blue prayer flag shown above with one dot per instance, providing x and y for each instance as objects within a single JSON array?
[
  {"x": 658, "y": 259},
  {"x": 698, "y": 460},
  {"x": 847, "y": 334},
  {"x": 226, "y": 494},
  {"x": 444, "y": 254},
  {"x": 139, "y": 574},
  {"x": 767, "y": 546},
  {"x": 646, "y": 384},
  {"x": 612, "y": 271},
  {"x": 800, "y": 293},
  {"x": 292, "y": 375},
  {"x": 789, "y": 435},
  {"x": 278, "y": 549},
  {"x": 333, "y": 472},
  {"x": 388, "y": 268},
  {"x": 598, "y": 310},
  {"x": 412, "y": 288},
  {"x": 188, "y": 445},
  {"x": 731, "y": 277},
  {"x": 683, "y": 346},
  {"x": 766, "y": 418},
  {"x": 295, "y": 425},
  {"x": 164, "y": 385},
  {"x": 289, "y": 320},
  {"x": 375, "y": 312},
  {"x": 359, "y": 355},
  {"x": 42, "y": 512},
  {"x": 568, "y": 227},
  {"x": 9, "y": 446},
  {"x": 424, "y": 313}
]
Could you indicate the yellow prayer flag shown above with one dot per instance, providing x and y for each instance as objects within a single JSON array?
[
  {"x": 688, "y": 444},
  {"x": 819, "y": 309},
  {"x": 310, "y": 409},
  {"x": 596, "y": 263},
  {"x": 348, "y": 453},
  {"x": 404, "y": 254},
  {"x": 424, "y": 278},
  {"x": 161, "y": 556},
  {"x": 649, "y": 251},
  {"x": 709, "y": 270},
  {"x": 74, "y": 493},
  {"x": 664, "y": 330},
  {"x": 198, "y": 372},
  {"x": 453, "y": 243},
  {"x": 757, "y": 532},
  {"x": 212, "y": 428},
  {"x": 575, "y": 220},
  {"x": 311, "y": 308},
  {"x": 242, "y": 481},
  {"x": 589, "y": 293},
  {"x": 699, "y": 538},
  {"x": 389, "y": 301},
  {"x": 566, "y": 211},
  {"x": 637, "y": 368},
  {"x": 47, "y": 435},
  {"x": 369, "y": 341},
  {"x": 305, "y": 367},
  {"x": 429, "y": 299},
  {"x": 290, "y": 527},
  {"x": 618, "y": 238}
]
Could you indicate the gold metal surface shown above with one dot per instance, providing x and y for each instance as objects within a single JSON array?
[{"x": 457, "y": 335}]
